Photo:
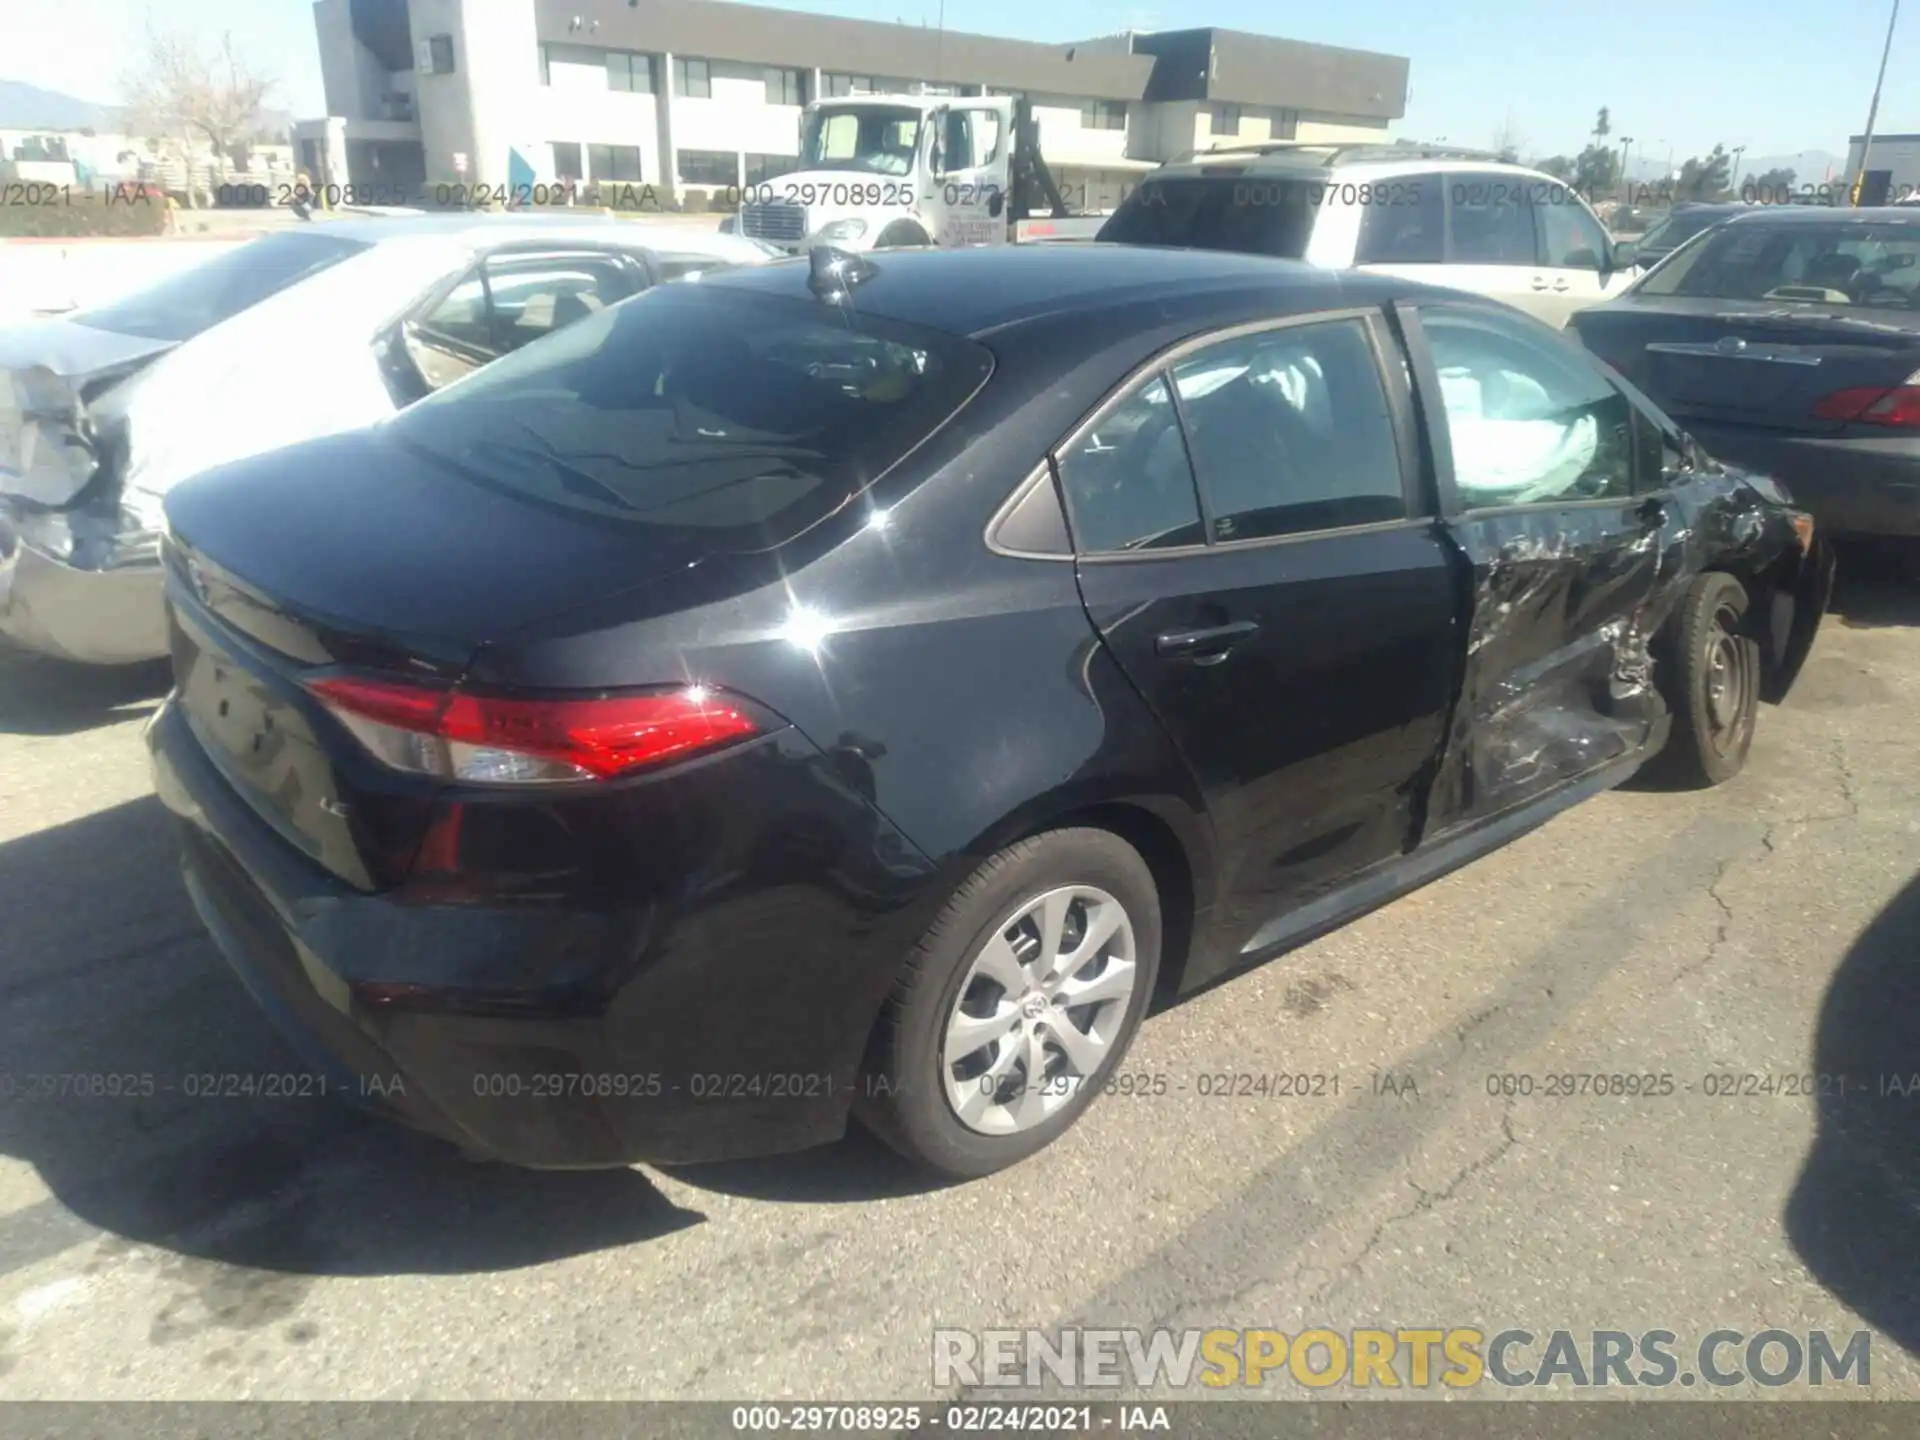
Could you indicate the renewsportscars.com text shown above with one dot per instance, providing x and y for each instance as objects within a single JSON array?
[{"x": 1454, "y": 1358}]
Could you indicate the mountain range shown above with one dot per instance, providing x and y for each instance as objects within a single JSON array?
[{"x": 28, "y": 107}]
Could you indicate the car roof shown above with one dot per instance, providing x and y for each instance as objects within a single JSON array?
[
  {"x": 497, "y": 229},
  {"x": 1827, "y": 214},
  {"x": 976, "y": 290},
  {"x": 1312, "y": 159}
]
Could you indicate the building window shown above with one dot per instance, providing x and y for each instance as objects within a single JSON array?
[
  {"x": 785, "y": 87},
  {"x": 566, "y": 161},
  {"x": 1103, "y": 115},
  {"x": 546, "y": 64},
  {"x": 1226, "y": 119},
  {"x": 762, "y": 168},
  {"x": 612, "y": 162},
  {"x": 709, "y": 167},
  {"x": 440, "y": 55},
  {"x": 1285, "y": 125},
  {"x": 692, "y": 78},
  {"x": 629, "y": 72},
  {"x": 849, "y": 85}
]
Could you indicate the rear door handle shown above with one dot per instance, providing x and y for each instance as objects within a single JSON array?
[
  {"x": 1561, "y": 286},
  {"x": 1206, "y": 646},
  {"x": 1540, "y": 282}
]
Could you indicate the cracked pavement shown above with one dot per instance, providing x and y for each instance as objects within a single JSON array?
[{"x": 174, "y": 1248}]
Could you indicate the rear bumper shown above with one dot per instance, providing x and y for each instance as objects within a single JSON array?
[
  {"x": 96, "y": 617},
  {"x": 706, "y": 1050},
  {"x": 1850, "y": 486}
]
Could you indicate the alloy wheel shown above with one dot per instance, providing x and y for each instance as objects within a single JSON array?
[
  {"x": 1732, "y": 681},
  {"x": 1038, "y": 1009}
]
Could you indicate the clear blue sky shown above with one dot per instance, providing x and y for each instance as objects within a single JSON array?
[{"x": 1778, "y": 76}]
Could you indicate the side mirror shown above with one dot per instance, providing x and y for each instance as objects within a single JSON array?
[
  {"x": 1625, "y": 255},
  {"x": 996, "y": 203}
]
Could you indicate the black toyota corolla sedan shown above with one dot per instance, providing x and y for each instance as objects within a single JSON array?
[{"x": 859, "y": 685}]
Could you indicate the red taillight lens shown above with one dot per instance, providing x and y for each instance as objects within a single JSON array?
[
  {"x": 520, "y": 740},
  {"x": 1872, "y": 405}
]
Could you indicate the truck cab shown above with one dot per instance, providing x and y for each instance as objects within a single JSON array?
[{"x": 879, "y": 171}]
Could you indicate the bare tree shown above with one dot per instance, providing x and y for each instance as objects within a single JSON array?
[
  {"x": 1508, "y": 141},
  {"x": 188, "y": 90}
]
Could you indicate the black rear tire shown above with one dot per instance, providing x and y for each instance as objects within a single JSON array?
[
  {"x": 1711, "y": 665},
  {"x": 903, "y": 1098}
]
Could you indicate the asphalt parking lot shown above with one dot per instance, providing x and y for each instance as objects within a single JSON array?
[{"x": 175, "y": 1247}]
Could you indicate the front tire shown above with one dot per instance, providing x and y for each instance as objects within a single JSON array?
[
  {"x": 900, "y": 234},
  {"x": 1714, "y": 681},
  {"x": 1017, "y": 1005}
]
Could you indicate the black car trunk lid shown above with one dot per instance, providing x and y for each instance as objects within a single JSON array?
[
  {"x": 359, "y": 553},
  {"x": 1760, "y": 364}
]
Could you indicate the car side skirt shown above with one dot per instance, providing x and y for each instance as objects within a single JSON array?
[{"x": 1441, "y": 855}]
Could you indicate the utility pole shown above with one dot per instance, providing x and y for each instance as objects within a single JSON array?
[
  {"x": 1626, "y": 144},
  {"x": 1873, "y": 110}
]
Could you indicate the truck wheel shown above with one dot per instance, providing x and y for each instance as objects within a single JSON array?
[
  {"x": 1712, "y": 664},
  {"x": 901, "y": 233},
  {"x": 1017, "y": 1004}
]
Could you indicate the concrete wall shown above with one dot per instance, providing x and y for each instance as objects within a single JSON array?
[
  {"x": 1901, "y": 156},
  {"x": 577, "y": 106},
  {"x": 737, "y": 118},
  {"x": 355, "y": 82}
]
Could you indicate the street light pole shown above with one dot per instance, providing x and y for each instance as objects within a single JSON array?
[
  {"x": 1873, "y": 110},
  {"x": 1626, "y": 144},
  {"x": 1734, "y": 183}
]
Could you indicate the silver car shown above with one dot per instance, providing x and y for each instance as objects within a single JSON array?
[{"x": 301, "y": 333}]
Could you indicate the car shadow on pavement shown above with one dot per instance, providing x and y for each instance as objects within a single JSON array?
[
  {"x": 1855, "y": 1211},
  {"x": 114, "y": 1005},
  {"x": 853, "y": 1169},
  {"x": 39, "y": 696},
  {"x": 1876, "y": 584}
]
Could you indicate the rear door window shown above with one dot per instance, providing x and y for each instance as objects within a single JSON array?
[
  {"x": 1127, "y": 480},
  {"x": 1291, "y": 432},
  {"x": 743, "y": 416},
  {"x": 1407, "y": 226},
  {"x": 215, "y": 290},
  {"x": 1489, "y": 220},
  {"x": 1261, "y": 215}
]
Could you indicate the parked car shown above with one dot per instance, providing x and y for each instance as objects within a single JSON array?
[
  {"x": 1788, "y": 339},
  {"x": 1445, "y": 217},
  {"x": 296, "y": 334},
  {"x": 1685, "y": 221},
  {"x": 860, "y": 684}
]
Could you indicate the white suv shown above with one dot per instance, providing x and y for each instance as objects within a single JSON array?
[{"x": 1447, "y": 217}]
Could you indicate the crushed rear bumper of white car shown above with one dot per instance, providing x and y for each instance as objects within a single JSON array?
[{"x": 100, "y": 606}]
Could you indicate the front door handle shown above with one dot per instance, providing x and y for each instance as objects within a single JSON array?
[
  {"x": 1652, "y": 511},
  {"x": 1561, "y": 286},
  {"x": 1206, "y": 646},
  {"x": 1539, "y": 282}
]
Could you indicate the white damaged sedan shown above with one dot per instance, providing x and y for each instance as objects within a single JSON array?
[{"x": 301, "y": 333}]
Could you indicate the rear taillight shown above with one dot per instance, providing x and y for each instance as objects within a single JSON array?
[
  {"x": 1872, "y": 405},
  {"x": 519, "y": 740}
]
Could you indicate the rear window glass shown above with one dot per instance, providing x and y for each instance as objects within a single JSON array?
[
  {"x": 1260, "y": 215},
  {"x": 197, "y": 299},
  {"x": 1682, "y": 225},
  {"x": 1876, "y": 266},
  {"x": 746, "y": 417}
]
